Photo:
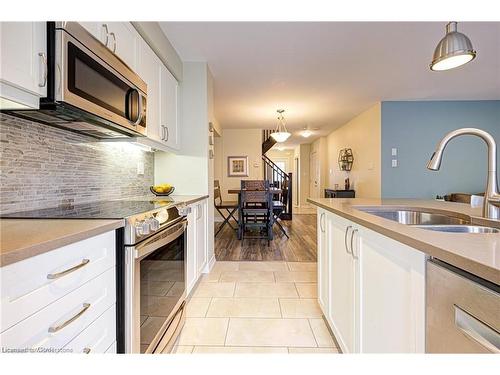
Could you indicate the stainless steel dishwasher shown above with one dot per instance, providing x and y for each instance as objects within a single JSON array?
[{"x": 463, "y": 311}]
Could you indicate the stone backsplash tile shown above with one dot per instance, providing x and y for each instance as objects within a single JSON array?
[{"x": 43, "y": 166}]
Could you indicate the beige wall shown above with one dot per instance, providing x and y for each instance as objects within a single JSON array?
[
  {"x": 302, "y": 152},
  {"x": 363, "y": 135},
  {"x": 320, "y": 147},
  {"x": 237, "y": 142}
]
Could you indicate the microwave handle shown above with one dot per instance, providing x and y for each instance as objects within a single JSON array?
[{"x": 141, "y": 109}]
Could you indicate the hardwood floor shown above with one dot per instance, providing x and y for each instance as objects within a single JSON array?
[{"x": 300, "y": 247}]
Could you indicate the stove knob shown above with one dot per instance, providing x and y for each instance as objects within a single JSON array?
[
  {"x": 145, "y": 227},
  {"x": 154, "y": 224},
  {"x": 138, "y": 228}
]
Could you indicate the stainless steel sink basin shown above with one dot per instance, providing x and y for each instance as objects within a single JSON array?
[
  {"x": 413, "y": 217},
  {"x": 459, "y": 228}
]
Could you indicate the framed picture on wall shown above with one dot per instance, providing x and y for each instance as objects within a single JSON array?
[{"x": 237, "y": 166}]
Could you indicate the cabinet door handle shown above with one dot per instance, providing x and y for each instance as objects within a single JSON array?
[
  {"x": 352, "y": 247},
  {"x": 54, "y": 329},
  {"x": 86, "y": 350},
  {"x": 162, "y": 132},
  {"x": 167, "y": 135},
  {"x": 476, "y": 330},
  {"x": 345, "y": 239},
  {"x": 114, "y": 41},
  {"x": 321, "y": 218},
  {"x": 43, "y": 58},
  {"x": 105, "y": 27},
  {"x": 52, "y": 276}
]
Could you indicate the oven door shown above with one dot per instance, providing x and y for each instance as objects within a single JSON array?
[
  {"x": 90, "y": 77},
  {"x": 158, "y": 292}
]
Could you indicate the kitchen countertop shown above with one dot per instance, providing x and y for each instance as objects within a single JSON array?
[
  {"x": 17, "y": 243},
  {"x": 178, "y": 199},
  {"x": 24, "y": 238},
  {"x": 478, "y": 254}
]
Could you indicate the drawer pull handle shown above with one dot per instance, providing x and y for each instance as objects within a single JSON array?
[
  {"x": 52, "y": 276},
  {"x": 70, "y": 320},
  {"x": 476, "y": 330},
  {"x": 86, "y": 350}
]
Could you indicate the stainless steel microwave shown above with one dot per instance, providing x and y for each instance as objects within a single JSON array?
[{"x": 90, "y": 90}]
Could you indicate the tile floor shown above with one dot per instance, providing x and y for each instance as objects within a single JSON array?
[{"x": 256, "y": 307}]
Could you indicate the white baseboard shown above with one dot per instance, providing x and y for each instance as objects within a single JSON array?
[{"x": 210, "y": 265}]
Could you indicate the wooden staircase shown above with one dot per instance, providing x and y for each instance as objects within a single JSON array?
[{"x": 276, "y": 176}]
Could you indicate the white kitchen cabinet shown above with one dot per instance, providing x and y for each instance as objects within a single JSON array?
[
  {"x": 197, "y": 257},
  {"x": 376, "y": 288},
  {"x": 342, "y": 271},
  {"x": 168, "y": 108},
  {"x": 120, "y": 37},
  {"x": 123, "y": 41},
  {"x": 64, "y": 298},
  {"x": 201, "y": 236},
  {"x": 23, "y": 62},
  {"x": 161, "y": 122},
  {"x": 148, "y": 68},
  {"x": 36, "y": 282},
  {"x": 391, "y": 288},
  {"x": 191, "y": 271},
  {"x": 323, "y": 263}
]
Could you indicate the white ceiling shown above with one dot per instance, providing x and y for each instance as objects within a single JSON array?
[{"x": 325, "y": 73}]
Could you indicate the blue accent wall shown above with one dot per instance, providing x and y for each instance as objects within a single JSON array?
[{"x": 415, "y": 128}]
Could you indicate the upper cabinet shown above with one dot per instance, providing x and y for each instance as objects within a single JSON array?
[
  {"x": 162, "y": 112},
  {"x": 168, "y": 108},
  {"x": 23, "y": 62},
  {"x": 119, "y": 37},
  {"x": 148, "y": 67}
]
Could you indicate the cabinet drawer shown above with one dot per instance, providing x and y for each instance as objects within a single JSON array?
[
  {"x": 32, "y": 284},
  {"x": 98, "y": 336},
  {"x": 57, "y": 324}
]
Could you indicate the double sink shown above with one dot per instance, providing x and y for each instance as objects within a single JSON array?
[{"x": 420, "y": 218}]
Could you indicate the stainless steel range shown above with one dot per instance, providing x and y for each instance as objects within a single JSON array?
[
  {"x": 151, "y": 268},
  {"x": 155, "y": 279}
]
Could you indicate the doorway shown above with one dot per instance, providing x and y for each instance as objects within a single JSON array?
[{"x": 314, "y": 173}]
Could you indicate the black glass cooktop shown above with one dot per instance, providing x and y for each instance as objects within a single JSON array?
[{"x": 94, "y": 210}]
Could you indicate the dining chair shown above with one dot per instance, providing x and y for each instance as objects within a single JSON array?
[
  {"x": 220, "y": 205},
  {"x": 256, "y": 207}
]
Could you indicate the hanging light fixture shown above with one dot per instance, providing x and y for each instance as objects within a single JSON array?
[
  {"x": 281, "y": 134},
  {"x": 454, "y": 50}
]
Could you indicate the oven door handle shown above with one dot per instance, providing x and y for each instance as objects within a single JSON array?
[{"x": 158, "y": 240}]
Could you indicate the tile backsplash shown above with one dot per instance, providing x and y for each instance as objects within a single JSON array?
[{"x": 43, "y": 166}]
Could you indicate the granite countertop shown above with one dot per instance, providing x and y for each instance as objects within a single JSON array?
[
  {"x": 177, "y": 199},
  {"x": 24, "y": 238},
  {"x": 478, "y": 254}
]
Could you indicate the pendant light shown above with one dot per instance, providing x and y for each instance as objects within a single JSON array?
[
  {"x": 281, "y": 134},
  {"x": 454, "y": 50}
]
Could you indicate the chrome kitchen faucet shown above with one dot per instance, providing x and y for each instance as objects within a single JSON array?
[{"x": 491, "y": 206}]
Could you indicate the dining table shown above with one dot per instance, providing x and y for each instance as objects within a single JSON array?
[{"x": 240, "y": 218}]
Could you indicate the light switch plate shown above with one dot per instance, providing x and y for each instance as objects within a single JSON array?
[
  {"x": 140, "y": 168},
  {"x": 394, "y": 151},
  {"x": 394, "y": 163}
]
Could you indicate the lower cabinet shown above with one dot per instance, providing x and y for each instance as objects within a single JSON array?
[
  {"x": 371, "y": 288},
  {"x": 62, "y": 300},
  {"x": 197, "y": 249}
]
